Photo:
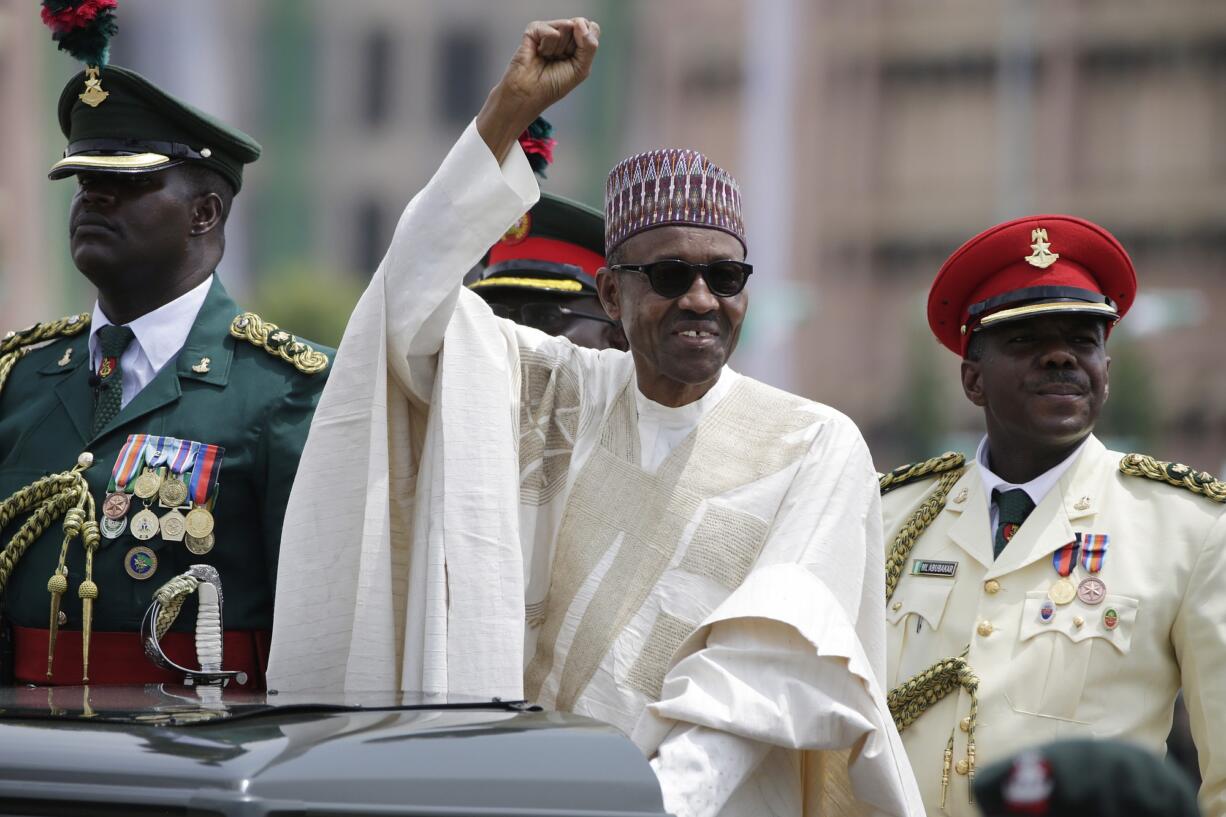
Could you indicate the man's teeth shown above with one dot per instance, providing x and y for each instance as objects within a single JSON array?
[{"x": 694, "y": 333}]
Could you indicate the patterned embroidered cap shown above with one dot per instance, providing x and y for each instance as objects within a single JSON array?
[{"x": 671, "y": 186}]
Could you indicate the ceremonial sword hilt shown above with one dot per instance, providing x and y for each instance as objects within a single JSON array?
[{"x": 208, "y": 633}]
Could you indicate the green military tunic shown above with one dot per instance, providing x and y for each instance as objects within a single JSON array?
[{"x": 253, "y": 402}]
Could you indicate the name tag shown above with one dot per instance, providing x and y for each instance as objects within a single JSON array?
[{"x": 923, "y": 567}]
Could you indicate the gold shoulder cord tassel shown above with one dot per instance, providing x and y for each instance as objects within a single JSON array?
[
  {"x": 47, "y": 499},
  {"x": 915, "y": 696}
]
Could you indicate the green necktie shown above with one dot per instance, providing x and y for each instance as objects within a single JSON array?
[
  {"x": 112, "y": 341},
  {"x": 1013, "y": 506}
]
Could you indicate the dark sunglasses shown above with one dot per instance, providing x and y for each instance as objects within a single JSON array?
[
  {"x": 672, "y": 278},
  {"x": 549, "y": 318}
]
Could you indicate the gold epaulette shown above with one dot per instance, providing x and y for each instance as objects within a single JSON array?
[
  {"x": 936, "y": 466},
  {"x": 15, "y": 345},
  {"x": 278, "y": 343},
  {"x": 40, "y": 332},
  {"x": 1172, "y": 473}
]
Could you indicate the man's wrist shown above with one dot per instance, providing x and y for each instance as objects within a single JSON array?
[{"x": 502, "y": 119}]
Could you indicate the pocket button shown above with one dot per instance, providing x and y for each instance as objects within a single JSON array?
[
  {"x": 985, "y": 628},
  {"x": 991, "y": 587}
]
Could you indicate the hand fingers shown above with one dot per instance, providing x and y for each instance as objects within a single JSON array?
[{"x": 587, "y": 40}]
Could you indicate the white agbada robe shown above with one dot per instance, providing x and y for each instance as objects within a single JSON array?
[{"x": 483, "y": 509}]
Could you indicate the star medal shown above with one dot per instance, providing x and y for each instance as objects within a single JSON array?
[
  {"x": 1063, "y": 591},
  {"x": 173, "y": 526},
  {"x": 1091, "y": 591},
  {"x": 145, "y": 525},
  {"x": 202, "y": 487},
  {"x": 116, "y": 504},
  {"x": 199, "y": 547},
  {"x": 140, "y": 563},
  {"x": 113, "y": 528},
  {"x": 118, "y": 499}
]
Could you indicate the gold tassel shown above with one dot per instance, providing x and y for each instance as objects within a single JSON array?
[
  {"x": 945, "y": 769},
  {"x": 91, "y": 537},
  {"x": 57, "y": 585}
]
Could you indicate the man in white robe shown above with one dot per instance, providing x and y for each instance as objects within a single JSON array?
[{"x": 649, "y": 538}]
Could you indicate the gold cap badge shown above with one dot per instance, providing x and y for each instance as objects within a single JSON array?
[
  {"x": 93, "y": 95},
  {"x": 1041, "y": 254}
]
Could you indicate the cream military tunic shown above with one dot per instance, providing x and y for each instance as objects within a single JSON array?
[{"x": 1074, "y": 675}]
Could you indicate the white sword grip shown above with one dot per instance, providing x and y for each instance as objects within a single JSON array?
[{"x": 208, "y": 628}]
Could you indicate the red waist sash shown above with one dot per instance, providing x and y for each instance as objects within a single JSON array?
[{"x": 119, "y": 658}]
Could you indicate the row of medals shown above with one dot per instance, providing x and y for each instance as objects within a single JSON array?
[
  {"x": 194, "y": 530},
  {"x": 1091, "y": 591}
]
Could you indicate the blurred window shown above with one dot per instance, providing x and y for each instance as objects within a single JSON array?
[
  {"x": 378, "y": 71},
  {"x": 370, "y": 237},
  {"x": 461, "y": 76}
]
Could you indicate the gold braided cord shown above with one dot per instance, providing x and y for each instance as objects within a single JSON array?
[
  {"x": 8, "y": 361},
  {"x": 171, "y": 597},
  {"x": 1173, "y": 473},
  {"x": 914, "y": 697},
  {"x": 903, "y": 474},
  {"x": 279, "y": 343},
  {"x": 915, "y": 524},
  {"x": 62, "y": 328},
  {"x": 53, "y": 507}
]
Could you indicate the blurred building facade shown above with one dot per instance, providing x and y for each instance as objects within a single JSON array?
[{"x": 871, "y": 136}]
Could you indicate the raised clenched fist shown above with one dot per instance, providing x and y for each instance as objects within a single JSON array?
[{"x": 553, "y": 57}]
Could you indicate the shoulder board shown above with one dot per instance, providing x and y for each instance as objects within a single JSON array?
[
  {"x": 1172, "y": 473},
  {"x": 278, "y": 343},
  {"x": 920, "y": 470},
  {"x": 40, "y": 332}
]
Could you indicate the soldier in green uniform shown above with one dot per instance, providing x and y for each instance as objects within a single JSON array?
[{"x": 170, "y": 419}]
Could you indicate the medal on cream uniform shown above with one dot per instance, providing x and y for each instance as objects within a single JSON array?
[{"x": 1063, "y": 591}]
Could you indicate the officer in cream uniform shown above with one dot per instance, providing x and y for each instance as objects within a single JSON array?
[{"x": 1049, "y": 588}]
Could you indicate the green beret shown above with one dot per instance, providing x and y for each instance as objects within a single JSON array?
[
  {"x": 1085, "y": 778},
  {"x": 123, "y": 123}
]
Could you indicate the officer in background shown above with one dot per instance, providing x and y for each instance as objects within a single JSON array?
[
  {"x": 171, "y": 419},
  {"x": 543, "y": 274},
  {"x": 1049, "y": 588}
]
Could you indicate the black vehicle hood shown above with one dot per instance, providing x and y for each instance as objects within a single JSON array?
[{"x": 97, "y": 753}]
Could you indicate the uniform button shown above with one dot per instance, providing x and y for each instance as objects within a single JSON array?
[
  {"x": 85, "y": 459},
  {"x": 896, "y": 606},
  {"x": 965, "y": 724},
  {"x": 985, "y": 628},
  {"x": 963, "y": 767},
  {"x": 991, "y": 587},
  {"x": 1079, "y": 622}
]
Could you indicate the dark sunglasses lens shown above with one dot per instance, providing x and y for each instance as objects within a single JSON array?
[
  {"x": 671, "y": 279},
  {"x": 726, "y": 278}
]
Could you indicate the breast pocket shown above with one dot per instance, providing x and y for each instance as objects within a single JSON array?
[
  {"x": 1056, "y": 659},
  {"x": 915, "y": 614}
]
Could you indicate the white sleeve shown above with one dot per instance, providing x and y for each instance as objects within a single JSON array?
[
  {"x": 699, "y": 769},
  {"x": 446, "y": 229}
]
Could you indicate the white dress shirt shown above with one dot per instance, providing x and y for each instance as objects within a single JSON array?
[
  {"x": 1036, "y": 488},
  {"x": 662, "y": 427},
  {"x": 159, "y": 335}
]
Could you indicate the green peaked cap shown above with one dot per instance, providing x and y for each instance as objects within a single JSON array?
[{"x": 139, "y": 128}]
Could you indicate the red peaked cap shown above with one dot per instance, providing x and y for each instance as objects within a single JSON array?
[{"x": 1026, "y": 267}]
